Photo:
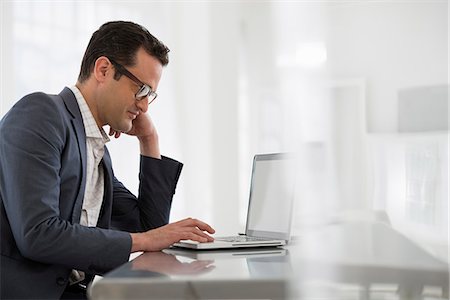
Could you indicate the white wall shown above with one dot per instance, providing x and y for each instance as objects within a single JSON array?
[{"x": 391, "y": 45}]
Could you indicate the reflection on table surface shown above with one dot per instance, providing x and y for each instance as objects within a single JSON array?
[
  {"x": 186, "y": 274},
  {"x": 343, "y": 261},
  {"x": 177, "y": 263}
]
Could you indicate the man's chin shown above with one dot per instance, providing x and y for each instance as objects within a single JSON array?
[{"x": 124, "y": 128}]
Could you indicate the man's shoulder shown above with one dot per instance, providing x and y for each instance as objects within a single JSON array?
[
  {"x": 35, "y": 110},
  {"x": 42, "y": 98},
  {"x": 40, "y": 102}
]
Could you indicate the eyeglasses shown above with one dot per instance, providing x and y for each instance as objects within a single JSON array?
[{"x": 144, "y": 90}]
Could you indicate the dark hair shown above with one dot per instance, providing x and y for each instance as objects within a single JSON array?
[{"x": 119, "y": 41}]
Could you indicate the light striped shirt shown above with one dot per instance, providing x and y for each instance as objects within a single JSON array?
[{"x": 96, "y": 138}]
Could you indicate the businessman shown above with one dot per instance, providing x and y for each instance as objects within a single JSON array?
[{"x": 64, "y": 215}]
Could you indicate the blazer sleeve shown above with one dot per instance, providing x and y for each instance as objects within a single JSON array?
[
  {"x": 33, "y": 136},
  {"x": 158, "y": 179}
]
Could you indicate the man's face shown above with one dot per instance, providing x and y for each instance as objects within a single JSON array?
[{"x": 118, "y": 106}]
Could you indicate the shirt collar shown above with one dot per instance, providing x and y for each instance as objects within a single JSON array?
[{"x": 90, "y": 126}]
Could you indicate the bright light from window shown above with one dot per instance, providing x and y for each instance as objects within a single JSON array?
[{"x": 311, "y": 54}]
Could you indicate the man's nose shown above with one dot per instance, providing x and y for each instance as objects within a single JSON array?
[{"x": 143, "y": 104}]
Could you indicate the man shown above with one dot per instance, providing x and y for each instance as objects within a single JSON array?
[{"x": 64, "y": 215}]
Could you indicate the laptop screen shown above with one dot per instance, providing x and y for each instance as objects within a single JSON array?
[{"x": 271, "y": 196}]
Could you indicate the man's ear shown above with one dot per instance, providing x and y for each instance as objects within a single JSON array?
[{"x": 102, "y": 68}]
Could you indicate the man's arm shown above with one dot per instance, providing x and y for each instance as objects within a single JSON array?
[
  {"x": 158, "y": 179},
  {"x": 152, "y": 209},
  {"x": 149, "y": 146},
  {"x": 158, "y": 176}
]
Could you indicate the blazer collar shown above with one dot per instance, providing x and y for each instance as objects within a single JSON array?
[{"x": 71, "y": 102}]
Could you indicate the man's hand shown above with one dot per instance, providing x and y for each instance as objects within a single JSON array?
[
  {"x": 144, "y": 129},
  {"x": 164, "y": 236}
]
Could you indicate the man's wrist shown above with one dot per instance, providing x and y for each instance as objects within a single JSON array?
[
  {"x": 136, "y": 242},
  {"x": 149, "y": 146}
]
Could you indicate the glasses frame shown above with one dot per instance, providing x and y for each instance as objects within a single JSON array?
[{"x": 151, "y": 95}]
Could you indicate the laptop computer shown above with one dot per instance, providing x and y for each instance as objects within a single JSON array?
[{"x": 269, "y": 209}]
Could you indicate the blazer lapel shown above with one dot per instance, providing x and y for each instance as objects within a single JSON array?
[{"x": 78, "y": 127}]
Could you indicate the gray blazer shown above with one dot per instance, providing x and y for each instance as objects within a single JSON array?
[{"x": 42, "y": 183}]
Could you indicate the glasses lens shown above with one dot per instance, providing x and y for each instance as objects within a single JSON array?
[
  {"x": 152, "y": 97},
  {"x": 143, "y": 92}
]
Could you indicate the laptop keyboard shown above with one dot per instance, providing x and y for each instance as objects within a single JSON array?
[{"x": 241, "y": 238}]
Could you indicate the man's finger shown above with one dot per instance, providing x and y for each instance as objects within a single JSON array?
[
  {"x": 201, "y": 233},
  {"x": 197, "y": 223}
]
